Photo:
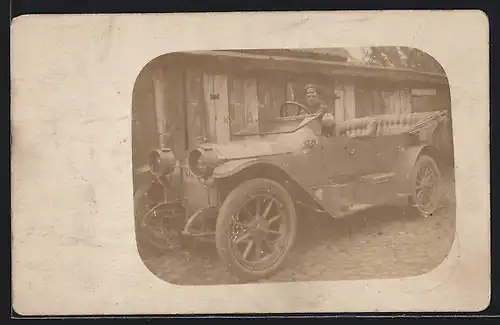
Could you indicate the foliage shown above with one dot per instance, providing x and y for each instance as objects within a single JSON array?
[{"x": 401, "y": 57}]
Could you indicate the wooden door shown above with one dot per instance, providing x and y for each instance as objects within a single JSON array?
[
  {"x": 217, "y": 107},
  {"x": 236, "y": 104},
  {"x": 243, "y": 103},
  {"x": 196, "y": 109}
]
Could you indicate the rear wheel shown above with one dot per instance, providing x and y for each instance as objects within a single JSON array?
[
  {"x": 256, "y": 228},
  {"x": 426, "y": 186}
]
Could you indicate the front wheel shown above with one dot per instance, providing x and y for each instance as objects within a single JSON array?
[
  {"x": 159, "y": 229},
  {"x": 426, "y": 186},
  {"x": 256, "y": 228}
]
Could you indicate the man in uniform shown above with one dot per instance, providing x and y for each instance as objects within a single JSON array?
[
  {"x": 313, "y": 102},
  {"x": 316, "y": 105}
]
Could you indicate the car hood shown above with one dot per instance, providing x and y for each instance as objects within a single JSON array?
[{"x": 268, "y": 145}]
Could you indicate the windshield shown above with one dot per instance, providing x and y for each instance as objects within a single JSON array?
[{"x": 277, "y": 125}]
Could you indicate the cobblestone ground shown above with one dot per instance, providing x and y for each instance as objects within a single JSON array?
[{"x": 378, "y": 243}]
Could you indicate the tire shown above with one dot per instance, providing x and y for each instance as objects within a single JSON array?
[
  {"x": 239, "y": 199},
  {"x": 417, "y": 206},
  {"x": 170, "y": 238}
]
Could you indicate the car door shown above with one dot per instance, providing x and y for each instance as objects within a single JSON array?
[
  {"x": 388, "y": 149},
  {"x": 347, "y": 159},
  {"x": 344, "y": 162},
  {"x": 377, "y": 188}
]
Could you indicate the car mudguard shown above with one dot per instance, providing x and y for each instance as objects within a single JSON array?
[
  {"x": 405, "y": 163},
  {"x": 232, "y": 167},
  {"x": 292, "y": 184}
]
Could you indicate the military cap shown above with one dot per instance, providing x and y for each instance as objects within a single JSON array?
[{"x": 311, "y": 88}]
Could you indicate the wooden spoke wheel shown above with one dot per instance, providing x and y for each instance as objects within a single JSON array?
[
  {"x": 160, "y": 228},
  {"x": 426, "y": 186},
  {"x": 256, "y": 228}
]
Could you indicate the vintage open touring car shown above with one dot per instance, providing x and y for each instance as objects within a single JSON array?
[{"x": 246, "y": 194}]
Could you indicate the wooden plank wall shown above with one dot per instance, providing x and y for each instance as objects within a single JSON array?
[
  {"x": 339, "y": 102},
  {"x": 349, "y": 102},
  {"x": 364, "y": 101},
  {"x": 251, "y": 101},
  {"x": 236, "y": 92},
  {"x": 405, "y": 96},
  {"x": 271, "y": 94},
  {"x": 220, "y": 104},
  {"x": 399, "y": 102},
  {"x": 217, "y": 107},
  {"x": 345, "y": 101},
  {"x": 221, "y": 107},
  {"x": 369, "y": 101},
  {"x": 243, "y": 102},
  {"x": 144, "y": 132},
  {"x": 174, "y": 108},
  {"x": 160, "y": 112},
  {"x": 291, "y": 92},
  {"x": 196, "y": 108}
]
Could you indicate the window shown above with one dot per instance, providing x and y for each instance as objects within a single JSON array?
[{"x": 424, "y": 99}]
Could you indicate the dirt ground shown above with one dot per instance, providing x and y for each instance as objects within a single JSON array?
[{"x": 377, "y": 243}]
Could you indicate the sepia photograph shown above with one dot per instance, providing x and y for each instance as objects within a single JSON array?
[
  {"x": 215, "y": 163},
  {"x": 293, "y": 164}
]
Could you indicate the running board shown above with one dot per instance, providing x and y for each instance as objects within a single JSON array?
[
  {"x": 352, "y": 209},
  {"x": 378, "y": 178},
  {"x": 358, "y": 207}
]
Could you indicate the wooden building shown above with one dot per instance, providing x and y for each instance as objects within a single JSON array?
[{"x": 181, "y": 98}]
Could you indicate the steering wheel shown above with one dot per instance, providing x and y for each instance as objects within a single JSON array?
[{"x": 300, "y": 108}]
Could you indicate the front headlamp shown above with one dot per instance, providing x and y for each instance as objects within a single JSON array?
[
  {"x": 162, "y": 161},
  {"x": 202, "y": 162}
]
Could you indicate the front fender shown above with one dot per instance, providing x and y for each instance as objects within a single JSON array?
[
  {"x": 232, "y": 167},
  {"x": 406, "y": 162}
]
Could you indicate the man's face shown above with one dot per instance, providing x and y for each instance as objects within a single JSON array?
[{"x": 312, "y": 98}]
